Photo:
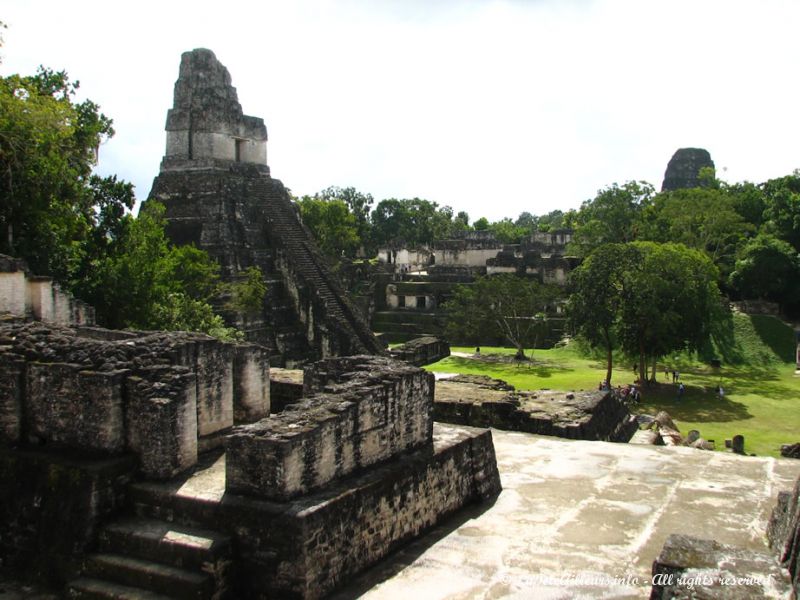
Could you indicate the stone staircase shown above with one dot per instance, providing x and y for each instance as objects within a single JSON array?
[
  {"x": 141, "y": 557},
  {"x": 308, "y": 264}
]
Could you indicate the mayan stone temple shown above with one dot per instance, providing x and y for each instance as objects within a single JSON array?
[
  {"x": 154, "y": 464},
  {"x": 217, "y": 189}
]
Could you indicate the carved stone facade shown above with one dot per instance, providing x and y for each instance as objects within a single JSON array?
[{"x": 225, "y": 202}]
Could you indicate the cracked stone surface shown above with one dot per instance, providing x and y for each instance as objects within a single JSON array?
[{"x": 580, "y": 519}]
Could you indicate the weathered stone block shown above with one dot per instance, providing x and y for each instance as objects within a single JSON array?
[
  {"x": 74, "y": 407},
  {"x": 162, "y": 420},
  {"x": 689, "y": 567},
  {"x": 366, "y": 416},
  {"x": 13, "y": 291},
  {"x": 214, "y": 386},
  {"x": 251, "y": 383},
  {"x": 12, "y": 382},
  {"x": 291, "y": 453},
  {"x": 51, "y": 504}
]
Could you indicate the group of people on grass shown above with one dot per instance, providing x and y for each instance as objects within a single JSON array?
[{"x": 631, "y": 391}]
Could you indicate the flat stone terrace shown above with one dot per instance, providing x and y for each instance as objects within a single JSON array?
[{"x": 580, "y": 519}]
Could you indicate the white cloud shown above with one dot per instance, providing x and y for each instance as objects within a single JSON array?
[{"x": 491, "y": 107}]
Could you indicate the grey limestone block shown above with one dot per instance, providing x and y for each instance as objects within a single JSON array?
[
  {"x": 251, "y": 383},
  {"x": 162, "y": 420},
  {"x": 82, "y": 409}
]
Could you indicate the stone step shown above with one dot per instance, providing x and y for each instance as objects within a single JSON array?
[
  {"x": 86, "y": 588},
  {"x": 153, "y": 577},
  {"x": 167, "y": 543},
  {"x": 156, "y": 501}
]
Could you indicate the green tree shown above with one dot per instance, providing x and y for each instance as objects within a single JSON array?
[
  {"x": 146, "y": 283},
  {"x": 481, "y": 224},
  {"x": 413, "y": 221},
  {"x": 767, "y": 268},
  {"x": 504, "y": 306},
  {"x": 359, "y": 205},
  {"x": 782, "y": 208},
  {"x": 595, "y": 304},
  {"x": 247, "y": 295},
  {"x": 333, "y": 225},
  {"x": 704, "y": 218},
  {"x": 53, "y": 208},
  {"x": 507, "y": 232},
  {"x": 652, "y": 299},
  {"x": 611, "y": 217},
  {"x": 669, "y": 302}
]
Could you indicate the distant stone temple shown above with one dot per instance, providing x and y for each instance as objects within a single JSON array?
[
  {"x": 684, "y": 168},
  {"x": 219, "y": 196},
  {"x": 418, "y": 281}
]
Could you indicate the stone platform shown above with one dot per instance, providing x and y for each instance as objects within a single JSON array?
[
  {"x": 481, "y": 401},
  {"x": 580, "y": 519},
  {"x": 309, "y": 546}
]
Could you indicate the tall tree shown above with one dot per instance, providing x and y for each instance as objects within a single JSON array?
[
  {"x": 358, "y": 203},
  {"x": 704, "y": 218},
  {"x": 612, "y": 216},
  {"x": 506, "y": 306},
  {"x": 411, "y": 221},
  {"x": 53, "y": 208},
  {"x": 782, "y": 208},
  {"x": 332, "y": 224},
  {"x": 669, "y": 302},
  {"x": 595, "y": 304},
  {"x": 767, "y": 268}
]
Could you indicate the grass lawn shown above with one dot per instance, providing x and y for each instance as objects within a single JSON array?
[{"x": 762, "y": 398}]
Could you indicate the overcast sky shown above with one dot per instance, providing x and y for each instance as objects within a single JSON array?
[{"x": 490, "y": 106}]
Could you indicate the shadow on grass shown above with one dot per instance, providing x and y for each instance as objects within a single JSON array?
[
  {"x": 776, "y": 336},
  {"x": 698, "y": 405},
  {"x": 499, "y": 370}
]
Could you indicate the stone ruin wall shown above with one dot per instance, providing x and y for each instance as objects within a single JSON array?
[
  {"x": 362, "y": 467},
  {"x": 163, "y": 396},
  {"x": 480, "y": 401},
  {"x": 355, "y": 413},
  {"x": 23, "y": 294}
]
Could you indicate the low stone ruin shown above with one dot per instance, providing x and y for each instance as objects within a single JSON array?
[
  {"x": 421, "y": 351},
  {"x": 689, "y": 567},
  {"x": 790, "y": 450},
  {"x": 24, "y": 294},
  {"x": 661, "y": 430},
  {"x": 357, "y": 411},
  {"x": 163, "y": 396},
  {"x": 129, "y": 454},
  {"x": 484, "y": 402}
]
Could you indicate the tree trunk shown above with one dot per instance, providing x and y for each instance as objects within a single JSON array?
[
  {"x": 653, "y": 369},
  {"x": 609, "y": 359},
  {"x": 642, "y": 364}
]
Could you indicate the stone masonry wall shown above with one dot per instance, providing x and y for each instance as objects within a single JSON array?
[
  {"x": 23, "y": 294},
  {"x": 50, "y": 508},
  {"x": 363, "y": 410},
  {"x": 308, "y": 547},
  {"x": 164, "y": 396}
]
